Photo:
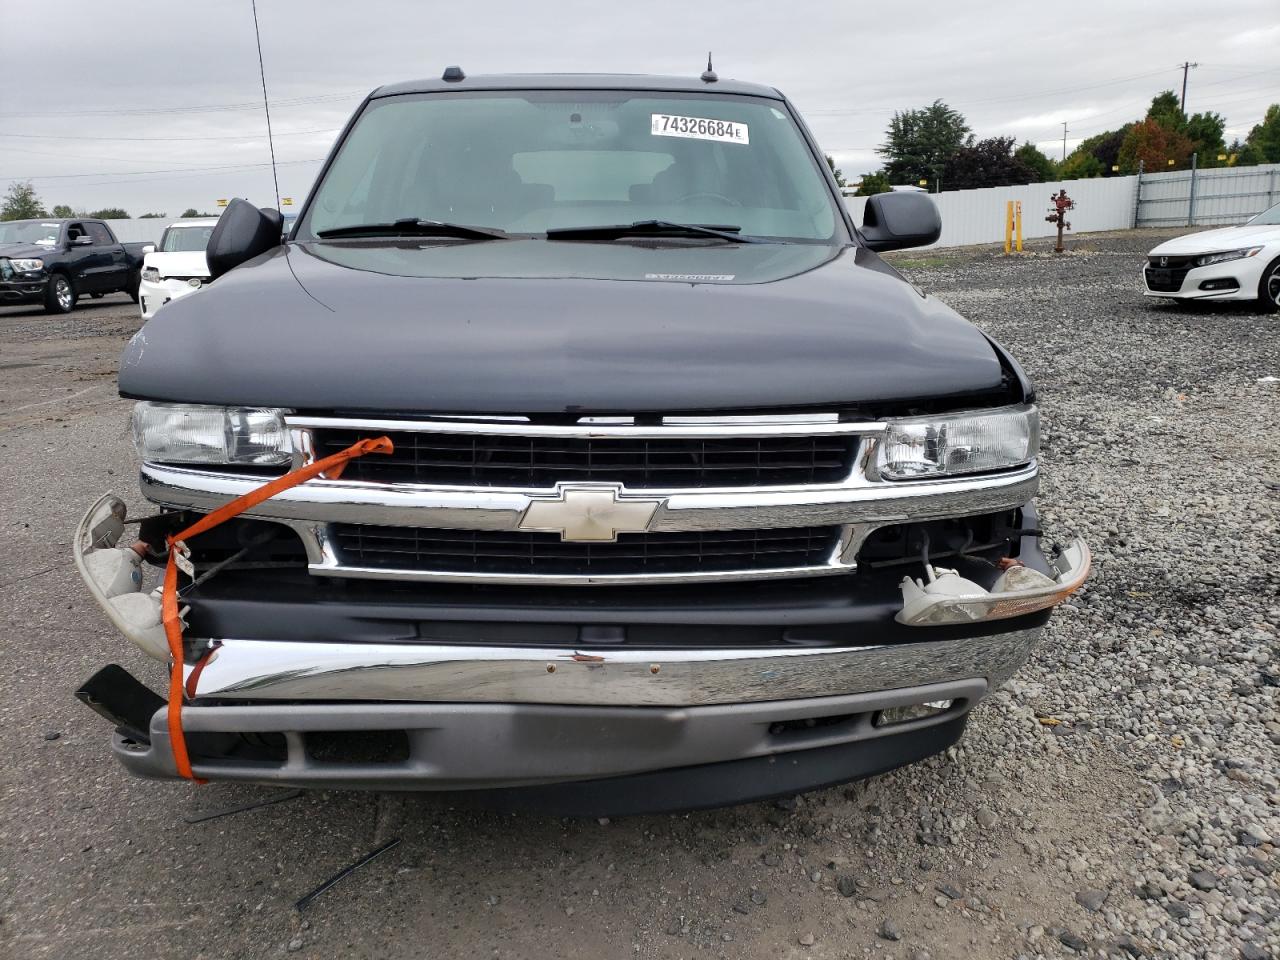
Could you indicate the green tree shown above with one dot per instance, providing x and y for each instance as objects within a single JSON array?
[
  {"x": 987, "y": 163},
  {"x": 1081, "y": 165},
  {"x": 1265, "y": 137},
  {"x": 152, "y": 216},
  {"x": 873, "y": 183},
  {"x": 1243, "y": 154},
  {"x": 1205, "y": 131},
  {"x": 918, "y": 143},
  {"x": 1096, "y": 155},
  {"x": 109, "y": 213},
  {"x": 1041, "y": 167},
  {"x": 836, "y": 171},
  {"x": 62, "y": 212},
  {"x": 1166, "y": 111},
  {"x": 21, "y": 203},
  {"x": 192, "y": 212}
]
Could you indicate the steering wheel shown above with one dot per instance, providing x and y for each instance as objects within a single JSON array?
[{"x": 713, "y": 196}]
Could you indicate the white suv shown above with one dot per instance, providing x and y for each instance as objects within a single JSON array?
[{"x": 177, "y": 267}]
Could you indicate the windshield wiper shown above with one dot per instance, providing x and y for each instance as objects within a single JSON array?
[
  {"x": 413, "y": 227},
  {"x": 651, "y": 228}
]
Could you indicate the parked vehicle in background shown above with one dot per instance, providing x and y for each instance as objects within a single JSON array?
[
  {"x": 56, "y": 262},
  {"x": 678, "y": 494},
  {"x": 1231, "y": 263},
  {"x": 177, "y": 266}
]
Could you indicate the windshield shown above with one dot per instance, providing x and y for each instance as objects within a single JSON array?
[
  {"x": 177, "y": 239},
  {"x": 536, "y": 160},
  {"x": 29, "y": 231},
  {"x": 1267, "y": 217}
]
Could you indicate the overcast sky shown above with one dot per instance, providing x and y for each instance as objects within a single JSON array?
[{"x": 157, "y": 106}]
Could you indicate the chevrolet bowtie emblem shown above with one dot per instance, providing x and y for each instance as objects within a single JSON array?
[{"x": 590, "y": 513}]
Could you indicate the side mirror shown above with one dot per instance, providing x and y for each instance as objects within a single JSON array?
[
  {"x": 148, "y": 248},
  {"x": 895, "y": 221},
  {"x": 82, "y": 242},
  {"x": 243, "y": 232}
]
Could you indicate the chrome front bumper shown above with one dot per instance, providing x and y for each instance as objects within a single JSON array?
[{"x": 306, "y": 671}]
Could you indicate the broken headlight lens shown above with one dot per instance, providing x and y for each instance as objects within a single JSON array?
[
  {"x": 193, "y": 433},
  {"x": 950, "y": 444}
]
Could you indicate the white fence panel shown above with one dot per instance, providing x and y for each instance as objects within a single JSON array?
[
  {"x": 139, "y": 230},
  {"x": 1222, "y": 195},
  {"x": 978, "y": 216}
]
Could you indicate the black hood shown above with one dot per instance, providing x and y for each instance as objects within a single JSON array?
[
  {"x": 554, "y": 327},
  {"x": 25, "y": 251}
]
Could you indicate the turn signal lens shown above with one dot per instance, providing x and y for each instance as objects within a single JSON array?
[{"x": 191, "y": 433}]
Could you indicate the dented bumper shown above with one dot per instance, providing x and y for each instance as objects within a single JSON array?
[{"x": 490, "y": 713}]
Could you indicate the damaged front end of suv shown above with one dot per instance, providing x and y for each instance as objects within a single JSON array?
[{"x": 687, "y": 506}]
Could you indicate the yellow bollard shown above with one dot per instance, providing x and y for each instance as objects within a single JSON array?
[
  {"x": 1008, "y": 226},
  {"x": 1018, "y": 219}
]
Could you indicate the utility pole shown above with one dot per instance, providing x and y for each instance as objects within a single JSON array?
[
  {"x": 1064, "y": 141},
  {"x": 1186, "y": 67}
]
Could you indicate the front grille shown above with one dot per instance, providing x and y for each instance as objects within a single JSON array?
[
  {"x": 497, "y": 460},
  {"x": 1173, "y": 263},
  {"x": 519, "y": 553},
  {"x": 1165, "y": 280}
]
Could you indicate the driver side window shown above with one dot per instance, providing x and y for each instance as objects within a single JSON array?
[{"x": 74, "y": 232}]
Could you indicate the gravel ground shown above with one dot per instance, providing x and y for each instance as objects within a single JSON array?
[{"x": 1118, "y": 798}]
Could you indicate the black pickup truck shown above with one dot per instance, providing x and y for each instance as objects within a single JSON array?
[
  {"x": 56, "y": 262},
  {"x": 693, "y": 498}
]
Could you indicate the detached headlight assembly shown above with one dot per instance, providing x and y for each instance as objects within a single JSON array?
[
  {"x": 959, "y": 443},
  {"x": 192, "y": 433},
  {"x": 151, "y": 274},
  {"x": 1226, "y": 255},
  {"x": 27, "y": 266}
]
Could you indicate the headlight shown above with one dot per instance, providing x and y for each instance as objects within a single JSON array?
[
  {"x": 27, "y": 266},
  {"x": 151, "y": 273},
  {"x": 1226, "y": 255},
  {"x": 957, "y": 443},
  {"x": 190, "y": 433}
]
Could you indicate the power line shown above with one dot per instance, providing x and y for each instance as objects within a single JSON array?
[
  {"x": 147, "y": 173},
  {"x": 205, "y": 108},
  {"x": 969, "y": 103},
  {"x": 254, "y": 136}
]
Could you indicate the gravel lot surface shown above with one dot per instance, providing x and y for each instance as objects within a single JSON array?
[{"x": 1118, "y": 798}]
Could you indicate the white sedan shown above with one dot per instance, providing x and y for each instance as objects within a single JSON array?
[
  {"x": 1233, "y": 263},
  {"x": 177, "y": 266}
]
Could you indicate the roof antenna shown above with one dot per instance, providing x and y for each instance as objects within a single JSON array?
[
  {"x": 709, "y": 75},
  {"x": 266, "y": 107}
]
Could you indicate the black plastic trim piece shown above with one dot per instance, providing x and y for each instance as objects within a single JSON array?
[{"x": 721, "y": 784}]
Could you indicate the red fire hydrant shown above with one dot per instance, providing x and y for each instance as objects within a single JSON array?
[{"x": 1058, "y": 214}]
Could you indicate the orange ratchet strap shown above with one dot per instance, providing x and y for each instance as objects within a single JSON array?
[{"x": 331, "y": 468}]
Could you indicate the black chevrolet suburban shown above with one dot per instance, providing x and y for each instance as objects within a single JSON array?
[
  {"x": 55, "y": 262},
  {"x": 689, "y": 497}
]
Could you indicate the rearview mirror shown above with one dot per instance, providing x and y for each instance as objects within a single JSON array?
[
  {"x": 895, "y": 221},
  {"x": 243, "y": 232}
]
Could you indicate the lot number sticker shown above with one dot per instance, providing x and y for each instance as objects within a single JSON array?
[{"x": 698, "y": 128}]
